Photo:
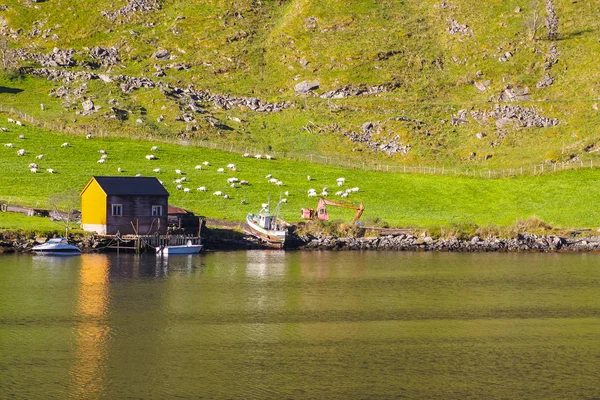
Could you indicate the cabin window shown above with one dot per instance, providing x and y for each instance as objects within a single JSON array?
[
  {"x": 117, "y": 210},
  {"x": 157, "y": 211}
]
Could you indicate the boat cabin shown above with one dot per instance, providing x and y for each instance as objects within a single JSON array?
[{"x": 128, "y": 205}]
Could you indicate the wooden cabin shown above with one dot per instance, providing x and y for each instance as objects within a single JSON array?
[
  {"x": 128, "y": 205},
  {"x": 184, "y": 221}
]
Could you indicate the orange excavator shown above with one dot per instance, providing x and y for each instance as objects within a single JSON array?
[{"x": 309, "y": 213}]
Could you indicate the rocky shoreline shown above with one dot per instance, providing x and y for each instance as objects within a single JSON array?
[{"x": 522, "y": 243}]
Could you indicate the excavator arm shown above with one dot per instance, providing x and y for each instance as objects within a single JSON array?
[{"x": 324, "y": 202}]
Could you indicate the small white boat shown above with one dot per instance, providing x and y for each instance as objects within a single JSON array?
[
  {"x": 187, "y": 248},
  {"x": 267, "y": 227},
  {"x": 57, "y": 247}
]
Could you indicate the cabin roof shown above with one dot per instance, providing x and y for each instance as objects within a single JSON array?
[
  {"x": 177, "y": 210},
  {"x": 131, "y": 186}
]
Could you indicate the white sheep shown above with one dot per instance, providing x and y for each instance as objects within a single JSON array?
[
  {"x": 88, "y": 136},
  {"x": 183, "y": 179},
  {"x": 265, "y": 205},
  {"x": 102, "y": 151},
  {"x": 246, "y": 155},
  {"x": 178, "y": 171},
  {"x": 344, "y": 195},
  {"x": 221, "y": 170},
  {"x": 12, "y": 121},
  {"x": 226, "y": 196},
  {"x": 101, "y": 161},
  {"x": 324, "y": 193},
  {"x": 312, "y": 190},
  {"x": 161, "y": 182},
  {"x": 179, "y": 187},
  {"x": 273, "y": 180},
  {"x": 21, "y": 136},
  {"x": 3, "y": 129},
  {"x": 233, "y": 186},
  {"x": 154, "y": 148},
  {"x": 287, "y": 193},
  {"x": 33, "y": 165},
  {"x": 243, "y": 201},
  {"x": 50, "y": 170},
  {"x": 65, "y": 144},
  {"x": 340, "y": 183},
  {"x": 283, "y": 201},
  {"x": 355, "y": 189},
  {"x": 21, "y": 152},
  {"x": 268, "y": 157},
  {"x": 244, "y": 182},
  {"x": 258, "y": 156},
  {"x": 269, "y": 176},
  {"x": 206, "y": 163},
  {"x": 39, "y": 156},
  {"x": 119, "y": 169},
  {"x": 339, "y": 193},
  {"x": 19, "y": 123},
  {"x": 186, "y": 190},
  {"x": 308, "y": 178},
  {"x": 312, "y": 194},
  {"x": 157, "y": 170},
  {"x": 198, "y": 166},
  {"x": 232, "y": 180},
  {"x": 138, "y": 175},
  {"x": 34, "y": 170},
  {"x": 103, "y": 157},
  {"x": 9, "y": 145},
  {"x": 202, "y": 189},
  {"x": 218, "y": 193},
  {"x": 231, "y": 166},
  {"x": 150, "y": 157},
  {"x": 279, "y": 183},
  {"x": 177, "y": 181}
]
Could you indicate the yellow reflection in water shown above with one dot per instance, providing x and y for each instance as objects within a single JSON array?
[{"x": 91, "y": 331}]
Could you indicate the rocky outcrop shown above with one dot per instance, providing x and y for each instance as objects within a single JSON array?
[
  {"x": 522, "y": 243},
  {"x": 305, "y": 87},
  {"x": 131, "y": 7},
  {"x": 388, "y": 146},
  {"x": 522, "y": 116},
  {"x": 56, "y": 58},
  {"x": 361, "y": 90},
  {"x": 105, "y": 56}
]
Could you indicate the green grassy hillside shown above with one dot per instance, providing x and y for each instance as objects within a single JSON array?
[
  {"x": 565, "y": 199},
  {"x": 262, "y": 49}
]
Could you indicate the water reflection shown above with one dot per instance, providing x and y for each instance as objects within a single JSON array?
[
  {"x": 92, "y": 331},
  {"x": 261, "y": 264}
]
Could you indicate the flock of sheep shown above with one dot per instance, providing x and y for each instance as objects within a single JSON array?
[{"x": 181, "y": 179}]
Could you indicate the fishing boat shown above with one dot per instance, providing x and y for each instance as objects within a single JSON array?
[
  {"x": 267, "y": 227},
  {"x": 57, "y": 247},
  {"x": 187, "y": 248}
]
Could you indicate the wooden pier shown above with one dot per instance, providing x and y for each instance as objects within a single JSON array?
[{"x": 143, "y": 243}]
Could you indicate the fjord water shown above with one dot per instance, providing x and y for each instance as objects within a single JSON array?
[{"x": 272, "y": 324}]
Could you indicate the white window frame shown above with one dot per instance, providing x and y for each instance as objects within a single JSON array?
[
  {"x": 119, "y": 209},
  {"x": 154, "y": 211}
]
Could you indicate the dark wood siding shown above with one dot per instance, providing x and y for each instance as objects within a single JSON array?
[{"x": 137, "y": 212}]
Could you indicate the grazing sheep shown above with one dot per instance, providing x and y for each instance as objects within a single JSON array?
[
  {"x": 226, "y": 196},
  {"x": 243, "y": 201},
  {"x": 206, "y": 163},
  {"x": 273, "y": 180},
  {"x": 308, "y": 178},
  {"x": 33, "y": 165},
  {"x": 12, "y": 121},
  {"x": 9, "y": 145},
  {"x": 21, "y": 152},
  {"x": 245, "y": 183},
  {"x": 265, "y": 205},
  {"x": 354, "y": 189},
  {"x": 231, "y": 166},
  {"x": 258, "y": 156},
  {"x": 138, "y": 175},
  {"x": 34, "y": 170},
  {"x": 19, "y": 123},
  {"x": 268, "y": 157},
  {"x": 150, "y": 157},
  {"x": 233, "y": 186},
  {"x": 283, "y": 201},
  {"x": 287, "y": 193},
  {"x": 344, "y": 195},
  {"x": 50, "y": 170},
  {"x": 324, "y": 193},
  {"x": 198, "y": 166},
  {"x": 42, "y": 106},
  {"x": 178, "y": 171},
  {"x": 202, "y": 189},
  {"x": 312, "y": 194},
  {"x": 245, "y": 155},
  {"x": 4, "y": 129},
  {"x": 154, "y": 148},
  {"x": 183, "y": 179},
  {"x": 177, "y": 181},
  {"x": 279, "y": 183},
  {"x": 103, "y": 157},
  {"x": 88, "y": 136},
  {"x": 232, "y": 180},
  {"x": 312, "y": 190},
  {"x": 340, "y": 183},
  {"x": 269, "y": 176},
  {"x": 186, "y": 190},
  {"x": 179, "y": 187},
  {"x": 119, "y": 169},
  {"x": 161, "y": 182},
  {"x": 39, "y": 156},
  {"x": 102, "y": 151},
  {"x": 101, "y": 161},
  {"x": 221, "y": 170},
  {"x": 21, "y": 136},
  {"x": 65, "y": 144},
  {"x": 157, "y": 170},
  {"x": 218, "y": 193},
  {"x": 339, "y": 193}
]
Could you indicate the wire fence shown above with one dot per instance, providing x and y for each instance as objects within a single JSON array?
[{"x": 479, "y": 172}]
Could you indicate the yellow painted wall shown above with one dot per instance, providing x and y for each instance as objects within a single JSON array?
[{"x": 93, "y": 204}]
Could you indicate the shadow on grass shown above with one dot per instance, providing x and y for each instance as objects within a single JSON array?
[{"x": 9, "y": 90}]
